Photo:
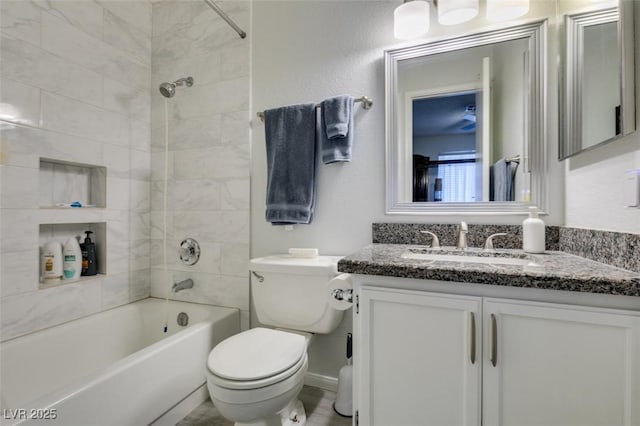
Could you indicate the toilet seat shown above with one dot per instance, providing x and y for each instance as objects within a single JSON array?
[{"x": 256, "y": 358}]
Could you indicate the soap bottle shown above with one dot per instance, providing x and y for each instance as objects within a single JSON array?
[
  {"x": 88, "y": 248},
  {"x": 52, "y": 262},
  {"x": 72, "y": 259},
  {"x": 533, "y": 235}
]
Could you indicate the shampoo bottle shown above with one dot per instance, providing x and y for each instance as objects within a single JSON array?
[
  {"x": 533, "y": 235},
  {"x": 52, "y": 261},
  {"x": 88, "y": 248},
  {"x": 72, "y": 264}
]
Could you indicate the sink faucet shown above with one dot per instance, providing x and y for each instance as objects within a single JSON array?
[
  {"x": 461, "y": 239},
  {"x": 182, "y": 285}
]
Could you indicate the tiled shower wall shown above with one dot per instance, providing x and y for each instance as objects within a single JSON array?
[
  {"x": 74, "y": 88},
  {"x": 209, "y": 161}
]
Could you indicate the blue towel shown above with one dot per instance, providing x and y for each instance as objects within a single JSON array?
[
  {"x": 336, "y": 129},
  {"x": 291, "y": 160}
]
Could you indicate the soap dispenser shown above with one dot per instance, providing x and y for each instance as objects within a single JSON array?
[
  {"x": 533, "y": 234},
  {"x": 88, "y": 248}
]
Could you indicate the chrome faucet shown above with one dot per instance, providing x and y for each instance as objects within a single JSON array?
[
  {"x": 461, "y": 239},
  {"x": 182, "y": 285}
]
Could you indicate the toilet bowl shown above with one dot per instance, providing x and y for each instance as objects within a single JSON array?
[{"x": 254, "y": 377}]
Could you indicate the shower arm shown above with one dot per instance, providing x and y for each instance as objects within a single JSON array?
[{"x": 224, "y": 16}]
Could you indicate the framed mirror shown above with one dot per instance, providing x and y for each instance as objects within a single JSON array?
[
  {"x": 598, "y": 104},
  {"x": 466, "y": 123}
]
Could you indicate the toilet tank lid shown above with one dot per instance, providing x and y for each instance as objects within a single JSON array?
[{"x": 285, "y": 263}]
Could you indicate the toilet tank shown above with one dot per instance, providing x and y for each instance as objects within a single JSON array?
[{"x": 291, "y": 292}]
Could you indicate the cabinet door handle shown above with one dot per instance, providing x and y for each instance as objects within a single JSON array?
[
  {"x": 473, "y": 338},
  {"x": 494, "y": 340}
]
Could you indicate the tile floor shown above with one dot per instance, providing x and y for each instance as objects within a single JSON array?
[{"x": 318, "y": 404}]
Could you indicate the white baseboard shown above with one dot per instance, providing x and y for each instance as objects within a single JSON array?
[
  {"x": 184, "y": 407},
  {"x": 323, "y": 382}
]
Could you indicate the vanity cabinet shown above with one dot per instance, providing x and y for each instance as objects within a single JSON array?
[{"x": 424, "y": 358}]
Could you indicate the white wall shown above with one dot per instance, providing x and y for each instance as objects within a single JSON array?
[
  {"x": 594, "y": 178},
  {"x": 75, "y": 88},
  {"x": 305, "y": 51},
  {"x": 208, "y": 187}
]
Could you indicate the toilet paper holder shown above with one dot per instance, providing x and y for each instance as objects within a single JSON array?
[{"x": 340, "y": 294}]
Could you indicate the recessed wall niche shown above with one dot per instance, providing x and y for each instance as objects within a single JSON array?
[
  {"x": 61, "y": 232},
  {"x": 62, "y": 183}
]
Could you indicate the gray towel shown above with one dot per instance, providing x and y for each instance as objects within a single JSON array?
[
  {"x": 501, "y": 179},
  {"x": 336, "y": 129},
  {"x": 291, "y": 160}
]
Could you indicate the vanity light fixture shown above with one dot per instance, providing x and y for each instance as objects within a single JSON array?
[
  {"x": 411, "y": 19},
  {"x": 503, "y": 10},
  {"x": 452, "y": 12}
]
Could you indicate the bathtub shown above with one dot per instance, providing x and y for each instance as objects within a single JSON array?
[{"x": 116, "y": 367}]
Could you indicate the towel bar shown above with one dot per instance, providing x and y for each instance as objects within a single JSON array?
[{"x": 367, "y": 103}]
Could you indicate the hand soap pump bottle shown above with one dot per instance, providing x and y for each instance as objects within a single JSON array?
[
  {"x": 533, "y": 235},
  {"x": 72, "y": 259},
  {"x": 89, "y": 266}
]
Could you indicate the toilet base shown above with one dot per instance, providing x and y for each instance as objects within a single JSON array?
[{"x": 291, "y": 415}]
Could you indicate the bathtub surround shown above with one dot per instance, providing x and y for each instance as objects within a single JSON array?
[
  {"x": 208, "y": 188},
  {"x": 77, "y": 74}
]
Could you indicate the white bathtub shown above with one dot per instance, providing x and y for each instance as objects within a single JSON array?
[{"x": 117, "y": 367}]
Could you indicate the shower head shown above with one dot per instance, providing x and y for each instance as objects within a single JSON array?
[{"x": 169, "y": 89}]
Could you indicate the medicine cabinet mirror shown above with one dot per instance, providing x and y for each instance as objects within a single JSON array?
[
  {"x": 598, "y": 103},
  {"x": 466, "y": 124}
]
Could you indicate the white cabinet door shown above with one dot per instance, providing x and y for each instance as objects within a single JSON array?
[
  {"x": 559, "y": 365},
  {"x": 417, "y": 358}
]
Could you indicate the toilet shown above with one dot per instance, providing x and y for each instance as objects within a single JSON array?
[{"x": 254, "y": 377}]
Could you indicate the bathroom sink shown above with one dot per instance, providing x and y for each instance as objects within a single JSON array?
[{"x": 472, "y": 256}]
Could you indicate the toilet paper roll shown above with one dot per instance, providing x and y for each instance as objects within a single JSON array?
[{"x": 341, "y": 282}]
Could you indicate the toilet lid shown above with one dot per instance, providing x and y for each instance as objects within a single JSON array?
[{"x": 256, "y": 354}]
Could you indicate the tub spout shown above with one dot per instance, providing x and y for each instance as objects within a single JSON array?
[{"x": 182, "y": 285}]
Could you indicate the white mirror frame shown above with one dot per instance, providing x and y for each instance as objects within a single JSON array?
[
  {"x": 535, "y": 159},
  {"x": 571, "y": 113}
]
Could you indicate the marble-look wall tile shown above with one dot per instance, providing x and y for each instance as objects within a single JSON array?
[
  {"x": 613, "y": 248},
  {"x": 66, "y": 115},
  {"x": 92, "y": 53},
  {"x": 19, "y": 229},
  {"x": 218, "y": 162},
  {"x": 192, "y": 133},
  {"x": 170, "y": 16},
  {"x": 234, "y": 194},
  {"x": 84, "y": 15},
  {"x": 234, "y": 259},
  {"x": 19, "y": 187},
  {"x": 127, "y": 37},
  {"x": 195, "y": 194},
  {"x": 212, "y": 289},
  {"x": 80, "y": 76},
  {"x": 20, "y": 271},
  {"x": 205, "y": 69},
  {"x": 125, "y": 99},
  {"x": 136, "y": 13},
  {"x": 19, "y": 103},
  {"x": 114, "y": 290},
  {"x": 36, "y": 67},
  {"x": 26, "y": 312},
  {"x": 20, "y": 19}
]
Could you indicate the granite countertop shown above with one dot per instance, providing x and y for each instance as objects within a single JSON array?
[{"x": 552, "y": 270}]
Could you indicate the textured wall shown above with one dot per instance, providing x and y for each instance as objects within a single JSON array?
[
  {"x": 75, "y": 88},
  {"x": 305, "y": 51},
  {"x": 208, "y": 188}
]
